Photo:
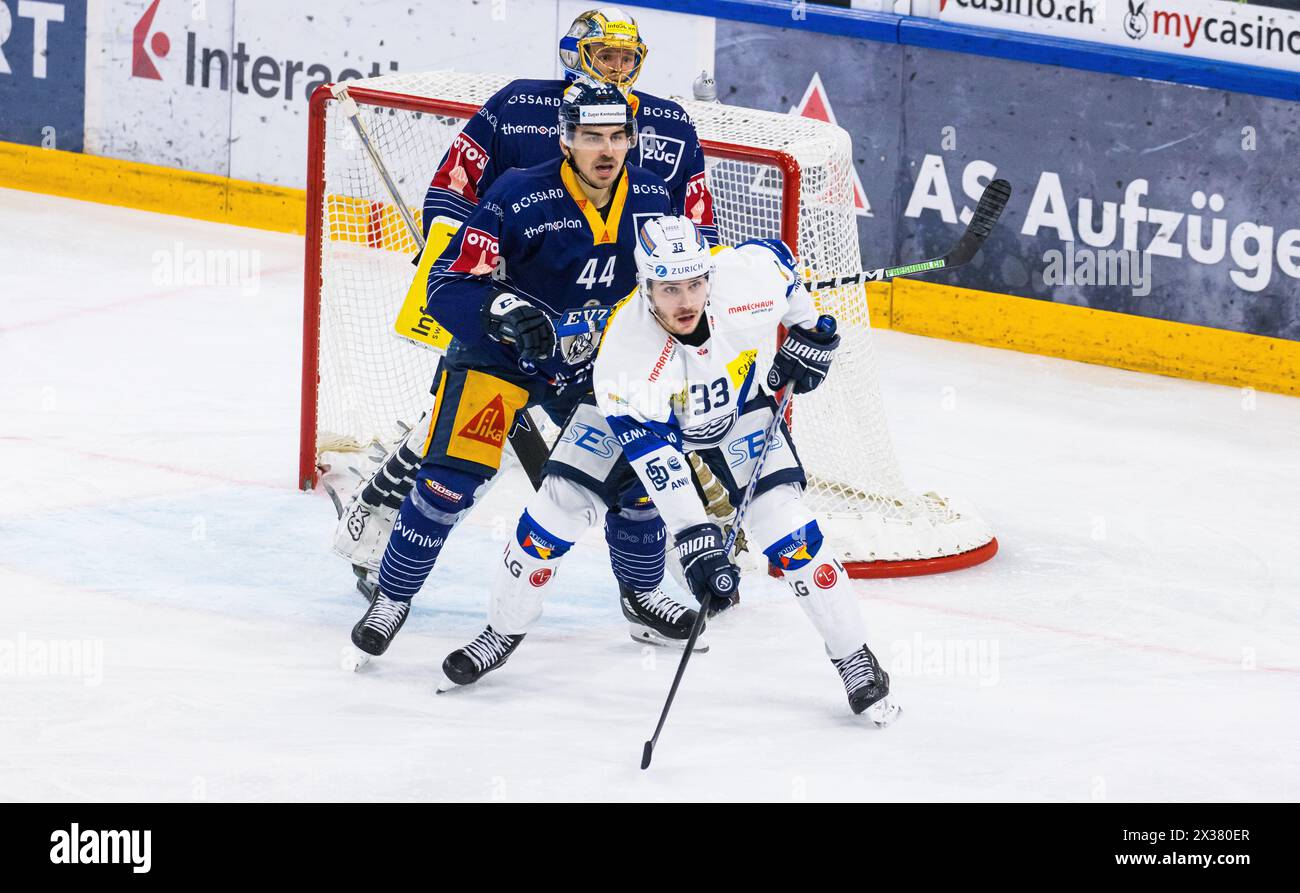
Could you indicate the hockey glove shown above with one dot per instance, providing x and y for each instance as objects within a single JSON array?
[
  {"x": 804, "y": 358},
  {"x": 512, "y": 320},
  {"x": 704, "y": 563}
]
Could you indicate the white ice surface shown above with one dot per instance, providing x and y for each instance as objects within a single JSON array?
[{"x": 1139, "y": 631}]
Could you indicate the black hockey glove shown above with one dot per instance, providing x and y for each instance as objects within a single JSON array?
[
  {"x": 804, "y": 357},
  {"x": 512, "y": 320},
  {"x": 708, "y": 572}
]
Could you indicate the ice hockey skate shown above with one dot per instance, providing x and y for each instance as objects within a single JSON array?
[
  {"x": 465, "y": 666},
  {"x": 867, "y": 685},
  {"x": 656, "y": 619},
  {"x": 375, "y": 630}
]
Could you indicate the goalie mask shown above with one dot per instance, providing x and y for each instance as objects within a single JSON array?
[{"x": 604, "y": 44}]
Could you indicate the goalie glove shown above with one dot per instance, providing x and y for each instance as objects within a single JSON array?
[
  {"x": 512, "y": 320},
  {"x": 704, "y": 564},
  {"x": 804, "y": 357}
]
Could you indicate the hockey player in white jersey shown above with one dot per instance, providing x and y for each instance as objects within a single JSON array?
[{"x": 676, "y": 371}]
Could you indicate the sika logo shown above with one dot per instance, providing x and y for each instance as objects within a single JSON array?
[{"x": 141, "y": 65}]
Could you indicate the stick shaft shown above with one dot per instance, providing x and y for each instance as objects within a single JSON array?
[{"x": 648, "y": 751}]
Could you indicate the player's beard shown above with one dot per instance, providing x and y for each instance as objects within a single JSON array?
[
  {"x": 671, "y": 325},
  {"x": 604, "y": 159}
]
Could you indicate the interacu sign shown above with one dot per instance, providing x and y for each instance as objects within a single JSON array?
[
  {"x": 42, "y": 72},
  {"x": 1207, "y": 29},
  {"x": 196, "y": 86}
]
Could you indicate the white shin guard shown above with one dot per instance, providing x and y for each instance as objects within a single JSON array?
[
  {"x": 519, "y": 589},
  {"x": 822, "y": 589},
  {"x": 565, "y": 511},
  {"x": 818, "y": 580}
]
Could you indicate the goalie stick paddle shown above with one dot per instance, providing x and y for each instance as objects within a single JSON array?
[
  {"x": 825, "y": 324},
  {"x": 987, "y": 211}
]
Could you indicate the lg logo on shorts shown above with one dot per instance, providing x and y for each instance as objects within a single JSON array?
[{"x": 41, "y": 14}]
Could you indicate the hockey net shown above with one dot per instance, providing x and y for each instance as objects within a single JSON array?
[{"x": 771, "y": 176}]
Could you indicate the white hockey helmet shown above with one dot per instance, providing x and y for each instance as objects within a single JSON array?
[
  {"x": 595, "y": 32},
  {"x": 670, "y": 249}
]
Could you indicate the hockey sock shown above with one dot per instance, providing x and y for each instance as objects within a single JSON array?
[
  {"x": 394, "y": 479},
  {"x": 636, "y": 540},
  {"x": 428, "y": 514},
  {"x": 821, "y": 587},
  {"x": 531, "y": 559}
]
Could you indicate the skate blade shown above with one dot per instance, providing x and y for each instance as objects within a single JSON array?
[
  {"x": 883, "y": 713},
  {"x": 646, "y": 636},
  {"x": 445, "y": 685},
  {"x": 352, "y": 658}
]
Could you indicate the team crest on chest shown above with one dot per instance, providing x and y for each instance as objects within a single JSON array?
[{"x": 662, "y": 154}]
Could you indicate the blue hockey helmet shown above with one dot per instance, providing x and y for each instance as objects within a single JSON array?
[{"x": 595, "y": 104}]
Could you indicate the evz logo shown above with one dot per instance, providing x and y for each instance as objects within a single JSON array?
[{"x": 658, "y": 152}]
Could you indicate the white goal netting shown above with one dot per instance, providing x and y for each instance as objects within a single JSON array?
[{"x": 370, "y": 379}]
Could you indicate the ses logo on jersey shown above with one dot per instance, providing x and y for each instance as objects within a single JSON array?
[
  {"x": 591, "y": 439},
  {"x": 746, "y": 449}
]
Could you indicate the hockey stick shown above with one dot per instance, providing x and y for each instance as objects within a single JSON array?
[
  {"x": 824, "y": 324},
  {"x": 530, "y": 449},
  {"x": 987, "y": 212}
]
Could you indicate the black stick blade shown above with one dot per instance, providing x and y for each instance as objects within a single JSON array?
[
  {"x": 990, "y": 208},
  {"x": 646, "y": 754}
]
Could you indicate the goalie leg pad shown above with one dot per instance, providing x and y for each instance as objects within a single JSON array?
[
  {"x": 440, "y": 498},
  {"x": 363, "y": 529}
]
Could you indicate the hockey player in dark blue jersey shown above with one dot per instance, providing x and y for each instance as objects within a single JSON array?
[
  {"x": 547, "y": 242},
  {"x": 516, "y": 128}
]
